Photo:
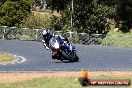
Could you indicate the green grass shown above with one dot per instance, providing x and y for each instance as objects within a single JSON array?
[
  {"x": 56, "y": 82},
  {"x": 119, "y": 33},
  {"x": 118, "y": 39},
  {"x": 4, "y": 57}
]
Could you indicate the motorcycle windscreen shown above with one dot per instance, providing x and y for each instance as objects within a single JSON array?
[{"x": 58, "y": 39}]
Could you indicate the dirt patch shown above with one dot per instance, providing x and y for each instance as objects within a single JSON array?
[{"x": 20, "y": 76}]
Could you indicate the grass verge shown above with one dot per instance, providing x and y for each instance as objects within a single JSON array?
[
  {"x": 118, "y": 39},
  {"x": 4, "y": 57},
  {"x": 66, "y": 82}
]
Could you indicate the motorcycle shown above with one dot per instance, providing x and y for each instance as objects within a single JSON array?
[{"x": 60, "y": 50}]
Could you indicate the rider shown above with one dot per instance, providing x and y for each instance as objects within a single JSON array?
[
  {"x": 67, "y": 44},
  {"x": 47, "y": 36}
]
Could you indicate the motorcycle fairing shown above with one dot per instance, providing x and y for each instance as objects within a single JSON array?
[{"x": 56, "y": 39}]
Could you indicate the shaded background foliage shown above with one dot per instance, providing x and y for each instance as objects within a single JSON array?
[
  {"x": 12, "y": 12},
  {"x": 90, "y": 16},
  {"x": 124, "y": 15}
]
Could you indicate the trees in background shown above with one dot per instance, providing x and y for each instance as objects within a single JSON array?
[
  {"x": 91, "y": 16},
  {"x": 12, "y": 12},
  {"x": 124, "y": 15},
  {"x": 59, "y": 5}
]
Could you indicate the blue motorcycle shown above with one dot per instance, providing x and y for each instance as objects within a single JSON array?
[{"x": 62, "y": 51}]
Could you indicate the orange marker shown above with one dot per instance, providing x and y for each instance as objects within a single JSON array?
[{"x": 86, "y": 74}]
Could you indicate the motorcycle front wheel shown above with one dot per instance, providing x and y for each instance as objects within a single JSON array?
[{"x": 72, "y": 58}]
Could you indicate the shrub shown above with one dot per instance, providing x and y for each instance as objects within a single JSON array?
[
  {"x": 12, "y": 12},
  {"x": 37, "y": 20}
]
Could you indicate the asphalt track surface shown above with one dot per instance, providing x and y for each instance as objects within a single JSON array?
[{"x": 91, "y": 57}]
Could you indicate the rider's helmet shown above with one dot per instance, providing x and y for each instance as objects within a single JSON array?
[
  {"x": 46, "y": 33},
  {"x": 65, "y": 38}
]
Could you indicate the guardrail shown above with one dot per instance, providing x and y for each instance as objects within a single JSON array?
[
  {"x": 18, "y": 33},
  {"x": 35, "y": 34}
]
